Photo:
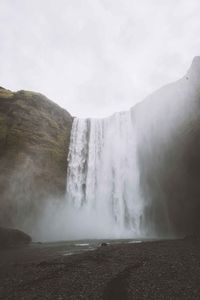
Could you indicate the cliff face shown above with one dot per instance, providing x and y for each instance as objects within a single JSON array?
[
  {"x": 168, "y": 124},
  {"x": 34, "y": 142}
]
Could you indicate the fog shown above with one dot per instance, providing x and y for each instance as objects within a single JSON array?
[
  {"x": 95, "y": 57},
  {"x": 60, "y": 222}
]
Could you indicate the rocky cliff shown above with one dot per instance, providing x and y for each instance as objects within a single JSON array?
[
  {"x": 168, "y": 123},
  {"x": 34, "y": 140}
]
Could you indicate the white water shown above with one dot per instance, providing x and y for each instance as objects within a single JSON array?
[{"x": 103, "y": 178}]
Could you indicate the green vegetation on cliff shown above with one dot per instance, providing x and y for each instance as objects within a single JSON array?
[{"x": 34, "y": 142}]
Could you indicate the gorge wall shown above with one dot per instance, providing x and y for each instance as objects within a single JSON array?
[
  {"x": 169, "y": 153},
  {"x": 34, "y": 143},
  {"x": 34, "y": 140}
]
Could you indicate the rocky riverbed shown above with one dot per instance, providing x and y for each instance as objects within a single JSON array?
[{"x": 149, "y": 270}]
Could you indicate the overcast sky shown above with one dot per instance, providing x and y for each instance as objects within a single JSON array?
[{"x": 95, "y": 57}]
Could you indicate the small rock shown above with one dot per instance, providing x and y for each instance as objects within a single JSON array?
[{"x": 104, "y": 244}]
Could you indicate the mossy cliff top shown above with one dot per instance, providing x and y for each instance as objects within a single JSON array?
[{"x": 34, "y": 141}]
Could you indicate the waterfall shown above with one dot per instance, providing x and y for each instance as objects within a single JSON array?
[{"x": 103, "y": 177}]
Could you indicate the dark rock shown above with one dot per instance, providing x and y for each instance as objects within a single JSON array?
[
  {"x": 104, "y": 244},
  {"x": 192, "y": 237},
  {"x": 13, "y": 237},
  {"x": 168, "y": 124}
]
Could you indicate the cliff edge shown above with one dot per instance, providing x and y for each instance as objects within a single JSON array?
[{"x": 34, "y": 142}]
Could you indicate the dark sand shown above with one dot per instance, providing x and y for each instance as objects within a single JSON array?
[{"x": 150, "y": 270}]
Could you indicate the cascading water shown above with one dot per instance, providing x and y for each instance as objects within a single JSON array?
[{"x": 103, "y": 177}]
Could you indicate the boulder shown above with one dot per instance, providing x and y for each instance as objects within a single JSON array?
[
  {"x": 13, "y": 237},
  {"x": 104, "y": 244}
]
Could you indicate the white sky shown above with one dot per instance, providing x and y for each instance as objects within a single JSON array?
[{"x": 95, "y": 57}]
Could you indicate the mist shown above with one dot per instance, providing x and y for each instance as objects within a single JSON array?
[{"x": 61, "y": 222}]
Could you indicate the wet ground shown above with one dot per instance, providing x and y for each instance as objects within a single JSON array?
[{"x": 147, "y": 270}]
